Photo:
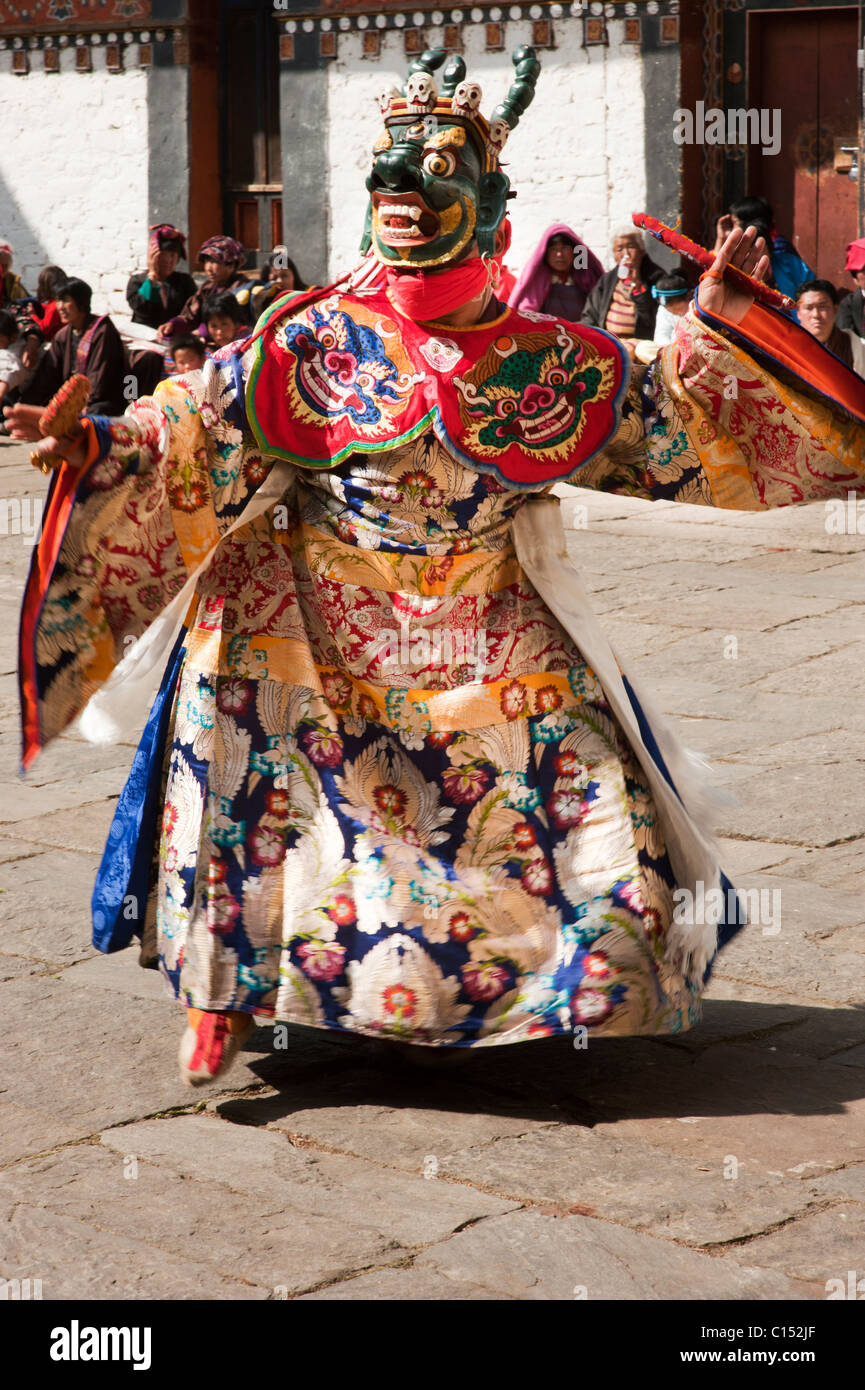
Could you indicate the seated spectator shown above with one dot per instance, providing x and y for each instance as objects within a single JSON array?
[
  {"x": 47, "y": 318},
  {"x": 850, "y": 314},
  {"x": 816, "y": 306},
  {"x": 188, "y": 353},
  {"x": 85, "y": 344},
  {"x": 10, "y": 285},
  {"x": 222, "y": 258},
  {"x": 158, "y": 294},
  {"x": 280, "y": 276},
  {"x": 788, "y": 268},
  {"x": 673, "y": 294},
  {"x": 560, "y": 275},
  {"x": 224, "y": 319},
  {"x": 622, "y": 301},
  {"x": 15, "y": 373}
]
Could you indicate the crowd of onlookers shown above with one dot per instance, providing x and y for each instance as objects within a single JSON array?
[
  {"x": 640, "y": 302},
  {"x": 46, "y": 337}
]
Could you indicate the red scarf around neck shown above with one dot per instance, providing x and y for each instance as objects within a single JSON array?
[{"x": 427, "y": 297}]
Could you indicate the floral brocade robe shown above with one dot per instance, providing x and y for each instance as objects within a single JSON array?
[
  {"x": 392, "y": 797},
  {"x": 396, "y": 800}
]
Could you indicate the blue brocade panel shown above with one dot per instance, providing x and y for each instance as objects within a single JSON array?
[{"x": 123, "y": 881}]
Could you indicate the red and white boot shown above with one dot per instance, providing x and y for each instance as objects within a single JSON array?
[{"x": 210, "y": 1044}]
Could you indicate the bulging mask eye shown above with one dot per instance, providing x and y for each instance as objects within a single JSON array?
[{"x": 439, "y": 164}]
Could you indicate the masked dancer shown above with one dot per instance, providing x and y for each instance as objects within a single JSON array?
[{"x": 394, "y": 781}]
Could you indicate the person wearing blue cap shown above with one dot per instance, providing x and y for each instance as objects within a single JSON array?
[{"x": 673, "y": 294}]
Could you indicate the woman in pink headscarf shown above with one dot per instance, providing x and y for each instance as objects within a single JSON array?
[{"x": 559, "y": 276}]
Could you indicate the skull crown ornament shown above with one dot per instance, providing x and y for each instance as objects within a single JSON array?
[{"x": 437, "y": 193}]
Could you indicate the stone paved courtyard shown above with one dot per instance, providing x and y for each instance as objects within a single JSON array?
[{"x": 727, "y": 1162}]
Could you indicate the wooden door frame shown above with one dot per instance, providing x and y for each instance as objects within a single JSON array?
[
  {"x": 205, "y": 189},
  {"x": 713, "y": 40},
  {"x": 265, "y": 194}
]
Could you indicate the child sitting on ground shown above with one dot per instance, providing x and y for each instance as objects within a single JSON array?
[
  {"x": 17, "y": 352},
  {"x": 188, "y": 353},
  {"x": 279, "y": 276},
  {"x": 673, "y": 294},
  {"x": 224, "y": 319}
]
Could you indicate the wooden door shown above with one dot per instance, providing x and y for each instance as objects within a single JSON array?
[
  {"x": 251, "y": 155},
  {"x": 805, "y": 64}
]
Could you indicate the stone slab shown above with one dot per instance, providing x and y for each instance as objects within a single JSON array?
[
  {"x": 823, "y": 675},
  {"x": 400, "y": 1207},
  {"x": 741, "y": 857},
  {"x": 846, "y": 627},
  {"x": 67, "y": 758},
  {"x": 46, "y": 906},
  {"x": 13, "y": 850},
  {"x": 83, "y": 829},
  {"x": 770, "y": 1109},
  {"x": 825, "y": 747},
  {"x": 529, "y": 1256},
  {"x": 436, "y": 1111},
  {"x": 20, "y": 801},
  {"x": 810, "y": 1031},
  {"x": 725, "y": 611},
  {"x": 798, "y": 561},
  {"x": 842, "y": 581},
  {"x": 844, "y": 1182},
  {"x": 77, "y": 1261},
  {"x": 403, "y": 1285},
  {"x": 845, "y": 939},
  {"x": 633, "y": 641},
  {"x": 261, "y": 1240},
  {"x": 831, "y": 866},
  {"x": 81, "y": 1056},
  {"x": 804, "y": 909},
  {"x": 795, "y": 959},
  {"x": 121, "y": 974},
  {"x": 632, "y": 1183},
  {"x": 819, "y": 1247},
  {"x": 25, "y": 1131},
  {"x": 12, "y": 967},
  {"x": 802, "y": 803}
]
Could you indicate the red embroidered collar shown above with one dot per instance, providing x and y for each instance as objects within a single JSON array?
[{"x": 523, "y": 396}]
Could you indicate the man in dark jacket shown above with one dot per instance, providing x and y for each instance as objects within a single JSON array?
[
  {"x": 622, "y": 299},
  {"x": 84, "y": 344}
]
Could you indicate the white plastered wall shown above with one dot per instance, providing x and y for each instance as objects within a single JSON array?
[
  {"x": 74, "y": 173},
  {"x": 577, "y": 155}
]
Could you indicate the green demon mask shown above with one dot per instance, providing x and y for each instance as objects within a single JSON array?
[{"x": 437, "y": 194}]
